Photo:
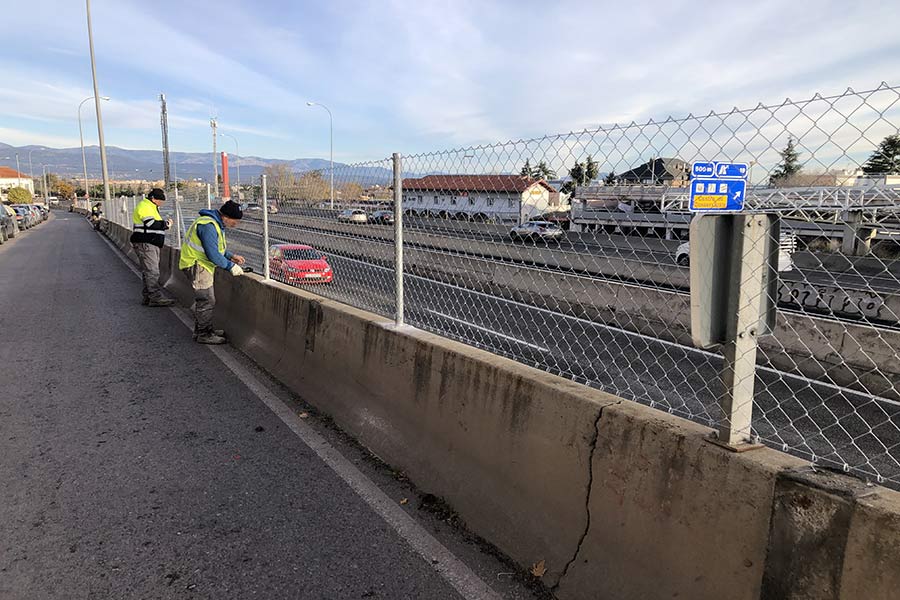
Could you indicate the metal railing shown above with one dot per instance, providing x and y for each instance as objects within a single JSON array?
[{"x": 600, "y": 292}]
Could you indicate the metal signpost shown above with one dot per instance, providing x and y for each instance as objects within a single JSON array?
[{"x": 733, "y": 258}]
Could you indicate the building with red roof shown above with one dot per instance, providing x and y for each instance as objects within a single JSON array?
[
  {"x": 503, "y": 198},
  {"x": 10, "y": 178}
]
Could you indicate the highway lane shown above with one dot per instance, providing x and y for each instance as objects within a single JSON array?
[
  {"x": 630, "y": 248},
  {"x": 835, "y": 425}
]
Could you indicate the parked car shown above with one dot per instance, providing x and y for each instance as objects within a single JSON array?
[
  {"x": 787, "y": 246},
  {"x": 8, "y": 227},
  {"x": 9, "y": 210},
  {"x": 38, "y": 216},
  {"x": 354, "y": 215},
  {"x": 43, "y": 210},
  {"x": 383, "y": 217},
  {"x": 544, "y": 231},
  {"x": 296, "y": 263},
  {"x": 253, "y": 207},
  {"x": 24, "y": 217}
]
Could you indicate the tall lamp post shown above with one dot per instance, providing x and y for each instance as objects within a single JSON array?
[
  {"x": 331, "y": 144},
  {"x": 30, "y": 166},
  {"x": 87, "y": 193},
  {"x": 97, "y": 105},
  {"x": 237, "y": 162}
]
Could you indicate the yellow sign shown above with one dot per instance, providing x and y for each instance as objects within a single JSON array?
[
  {"x": 536, "y": 191},
  {"x": 711, "y": 201}
]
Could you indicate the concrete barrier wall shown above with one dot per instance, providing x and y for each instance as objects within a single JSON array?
[{"x": 620, "y": 500}]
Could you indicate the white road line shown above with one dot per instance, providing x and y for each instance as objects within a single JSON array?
[
  {"x": 444, "y": 562},
  {"x": 486, "y": 330}
]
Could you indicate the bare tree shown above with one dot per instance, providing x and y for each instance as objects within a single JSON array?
[{"x": 280, "y": 179}]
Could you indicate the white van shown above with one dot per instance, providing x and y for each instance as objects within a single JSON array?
[{"x": 787, "y": 245}]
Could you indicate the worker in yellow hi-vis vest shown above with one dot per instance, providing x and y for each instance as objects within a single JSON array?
[
  {"x": 203, "y": 250},
  {"x": 148, "y": 236}
]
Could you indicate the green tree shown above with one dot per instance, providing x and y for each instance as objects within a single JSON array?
[
  {"x": 543, "y": 171},
  {"x": 527, "y": 169},
  {"x": 789, "y": 165},
  {"x": 581, "y": 174},
  {"x": 886, "y": 159},
  {"x": 19, "y": 195},
  {"x": 590, "y": 170}
]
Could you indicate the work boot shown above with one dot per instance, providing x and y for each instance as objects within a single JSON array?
[
  {"x": 161, "y": 302},
  {"x": 209, "y": 338},
  {"x": 218, "y": 332}
]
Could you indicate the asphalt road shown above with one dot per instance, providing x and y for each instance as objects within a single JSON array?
[
  {"x": 631, "y": 248},
  {"x": 134, "y": 464},
  {"x": 832, "y": 425}
]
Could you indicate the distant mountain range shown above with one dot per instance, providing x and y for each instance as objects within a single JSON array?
[{"x": 148, "y": 164}]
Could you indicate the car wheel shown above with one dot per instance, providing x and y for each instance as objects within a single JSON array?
[{"x": 684, "y": 260}]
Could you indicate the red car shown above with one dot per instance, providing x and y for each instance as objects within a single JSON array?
[{"x": 296, "y": 263}]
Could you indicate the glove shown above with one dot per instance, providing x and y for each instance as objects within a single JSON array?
[{"x": 236, "y": 270}]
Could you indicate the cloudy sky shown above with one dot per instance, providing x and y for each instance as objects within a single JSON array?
[{"x": 418, "y": 75}]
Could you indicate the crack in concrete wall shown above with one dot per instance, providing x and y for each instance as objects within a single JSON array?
[{"x": 587, "y": 497}]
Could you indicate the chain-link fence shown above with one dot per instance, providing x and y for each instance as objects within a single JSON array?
[{"x": 571, "y": 253}]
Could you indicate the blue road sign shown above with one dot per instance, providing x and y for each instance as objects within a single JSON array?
[
  {"x": 713, "y": 194},
  {"x": 703, "y": 169},
  {"x": 729, "y": 170}
]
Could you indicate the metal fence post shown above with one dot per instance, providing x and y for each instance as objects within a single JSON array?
[
  {"x": 208, "y": 200},
  {"x": 178, "y": 223},
  {"x": 265, "y": 248},
  {"x": 398, "y": 240}
]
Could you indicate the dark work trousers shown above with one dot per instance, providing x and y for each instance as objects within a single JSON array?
[
  {"x": 148, "y": 259},
  {"x": 204, "y": 297}
]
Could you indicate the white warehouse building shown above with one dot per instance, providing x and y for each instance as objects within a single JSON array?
[{"x": 495, "y": 198}]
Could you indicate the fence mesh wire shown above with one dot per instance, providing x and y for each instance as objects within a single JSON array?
[{"x": 571, "y": 253}]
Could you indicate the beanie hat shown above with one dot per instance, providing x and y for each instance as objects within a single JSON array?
[
  {"x": 232, "y": 210},
  {"x": 156, "y": 194}
]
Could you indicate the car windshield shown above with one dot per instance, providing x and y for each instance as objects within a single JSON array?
[{"x": 302, "y": 254}]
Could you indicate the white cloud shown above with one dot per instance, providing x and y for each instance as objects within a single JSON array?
[
  {"x": 404, "y": 75},
  {"x": 19, "y": 137}
]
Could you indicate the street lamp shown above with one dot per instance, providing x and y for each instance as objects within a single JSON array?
[
  {"x": 87, "y": 194},
  {"x": 237, "y": 162},
  {"x": 331, "y": 139},
  {"x": 31, "y": 166},
  {"x": 97, "y": 97}
]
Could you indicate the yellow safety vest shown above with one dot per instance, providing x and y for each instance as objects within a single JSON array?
[
  {"x": 145, "y": 213},
  {"x": 192, "y": 252}
]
